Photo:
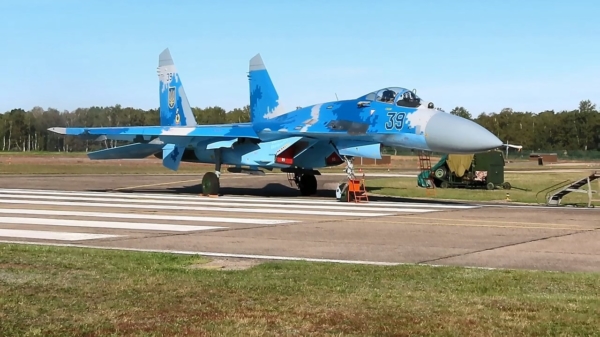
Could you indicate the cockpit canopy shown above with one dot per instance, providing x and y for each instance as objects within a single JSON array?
[{"x": 395, "y": 95}]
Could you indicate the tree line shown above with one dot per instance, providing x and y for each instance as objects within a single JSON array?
[
  {"x": 575, "y": 131},
  {"x": 28, "y": 130}
]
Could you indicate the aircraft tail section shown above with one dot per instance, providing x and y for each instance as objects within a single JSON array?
[
  {"x": 264, "y": 100},
  {"x": 175, "y": 109}
]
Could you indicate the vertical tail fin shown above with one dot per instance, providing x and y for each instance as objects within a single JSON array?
[
  {"x": 264, "y": 100},
  {"x": 174, "y": 106}
]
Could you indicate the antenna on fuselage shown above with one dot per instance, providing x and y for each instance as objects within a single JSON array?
[{"x": 336, "y": 98}]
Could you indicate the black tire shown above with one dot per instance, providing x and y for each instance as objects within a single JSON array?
[
  {"x": 490, "y": 186},
  {"x": 444, "y": 184},
  {"x": 210, "y": 184},
  {"x": 308, "y": 184},
  {"x": 506, "y": 185}
]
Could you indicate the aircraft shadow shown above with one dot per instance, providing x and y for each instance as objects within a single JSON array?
[
  {"x": 269, "y": 190},
  {"x": 272, "y": 190}
]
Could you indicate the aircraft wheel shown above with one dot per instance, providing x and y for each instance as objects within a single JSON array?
[
  {"x": 308, "y": 184},
  {"x": 210, "y": 184}
]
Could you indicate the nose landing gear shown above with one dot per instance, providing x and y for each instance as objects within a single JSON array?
[{"x": 353, "y": 189}]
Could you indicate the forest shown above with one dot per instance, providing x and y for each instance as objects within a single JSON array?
[{"x": 574, "y": 133}]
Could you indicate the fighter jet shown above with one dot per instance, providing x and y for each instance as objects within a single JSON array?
[{"x": 297, "y": 141}]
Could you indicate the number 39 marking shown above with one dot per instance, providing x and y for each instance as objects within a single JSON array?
[{"x": 395, "y": 120}]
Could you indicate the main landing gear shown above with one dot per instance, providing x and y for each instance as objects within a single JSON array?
[
  {"x": 211, "y": 180},
  {"x": 306, "y": 182},
  {"x": 211, "y": 183}
]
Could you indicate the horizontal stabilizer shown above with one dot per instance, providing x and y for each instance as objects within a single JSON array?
[
  {"x": 131, "y": 151},
  {"x": 172, "y": 156},
  {"x": 359, "y": 149}
]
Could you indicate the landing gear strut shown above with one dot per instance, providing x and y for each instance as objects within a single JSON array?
[
  {"x": 211, "y": 180},
  {"x": 341, "y": 193},
  {"x": 306, "y": 182},
  {"x": 349, "y": 167}
]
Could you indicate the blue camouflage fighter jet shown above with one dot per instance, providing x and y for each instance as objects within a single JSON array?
[{"x": 298, "y": 141}]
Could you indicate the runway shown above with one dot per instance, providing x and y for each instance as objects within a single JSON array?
[
  {"x": 51, "y": 215},
  {"x": 289, "y": 228}
]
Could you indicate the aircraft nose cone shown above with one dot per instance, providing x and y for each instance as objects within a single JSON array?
[{"x": 448, "y": 133}]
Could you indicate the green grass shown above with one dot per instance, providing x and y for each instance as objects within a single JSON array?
[
  {"x": 525, "y": 186},
  {"x": 48, "y": 291}
]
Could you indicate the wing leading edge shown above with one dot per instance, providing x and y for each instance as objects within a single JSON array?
[{"x": 131, "y": 133}]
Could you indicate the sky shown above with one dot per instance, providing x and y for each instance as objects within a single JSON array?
[{"x": 483, "y": 55}]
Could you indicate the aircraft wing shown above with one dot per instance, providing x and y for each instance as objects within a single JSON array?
[
  {"x": 149, "y": 140},
  {"x": 177, "y": 130}
]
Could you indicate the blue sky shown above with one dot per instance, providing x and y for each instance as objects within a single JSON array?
[{"x": 483, "y": 55}]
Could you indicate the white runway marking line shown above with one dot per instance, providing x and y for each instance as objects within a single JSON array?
[
  {"x": 233, "y": 203},
  {"x": 105, "y": 224},
  {"x": 247, "y": 256},
  {"x": 46, "y": 235},
  {"x": 338, "y": 206},
  {"x": 276, "y": 200},
  {"x": 350, "y": 212},
  {"x": 25, "y": 211}
]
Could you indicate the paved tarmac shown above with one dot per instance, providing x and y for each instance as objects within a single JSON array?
[{"x": 263, "y": 217}]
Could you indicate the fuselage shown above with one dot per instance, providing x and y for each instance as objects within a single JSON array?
[
  {"x": 359, "y": 126},
  {"x": 387, "y": 125},
  {"x": 390, "y": 116}
]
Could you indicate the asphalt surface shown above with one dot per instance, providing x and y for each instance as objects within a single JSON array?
[{"x": 263, "y": 217}]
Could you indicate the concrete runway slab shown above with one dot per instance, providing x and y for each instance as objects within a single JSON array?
[{"x": 263, "y": 217}]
